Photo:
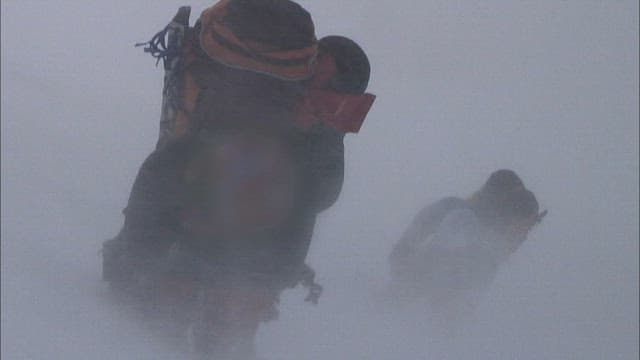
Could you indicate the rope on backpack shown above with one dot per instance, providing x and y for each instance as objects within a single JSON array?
[
  {"x": 167, "y": 43},
  {"x": 158, "y": 48}
]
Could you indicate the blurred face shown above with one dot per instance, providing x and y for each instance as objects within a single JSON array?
[{"x": 518, "y": 229}]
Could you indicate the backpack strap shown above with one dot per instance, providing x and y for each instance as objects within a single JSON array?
[{"x": 221, "y": 44}]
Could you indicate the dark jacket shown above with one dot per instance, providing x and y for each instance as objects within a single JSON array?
[{"x": 161, "y": 194}]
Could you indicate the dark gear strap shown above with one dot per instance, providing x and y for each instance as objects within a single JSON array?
[
  {"x": 167, "y": 43},
  {"x": 307, "y": 279}
]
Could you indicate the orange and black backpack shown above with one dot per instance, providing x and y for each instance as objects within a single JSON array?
[{"x": 330, "y": 74}]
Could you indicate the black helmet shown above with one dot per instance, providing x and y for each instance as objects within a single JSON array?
[
  {"x": 520, "y": 204},
  {"x": 352, "y": 64},
  {"x": 502, "y": 181}
]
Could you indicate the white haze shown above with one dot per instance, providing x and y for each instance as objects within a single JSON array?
[{"x": 548, "y": 88}]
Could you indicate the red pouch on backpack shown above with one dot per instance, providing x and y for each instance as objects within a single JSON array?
[{"x": 342, "y": 111}]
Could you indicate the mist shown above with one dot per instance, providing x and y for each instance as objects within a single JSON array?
[{"x": 546, "y": 88}]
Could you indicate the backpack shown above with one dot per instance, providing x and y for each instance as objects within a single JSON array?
[
  {"x": 335, "y": 75},
  {"x": 333, "y": 79}
]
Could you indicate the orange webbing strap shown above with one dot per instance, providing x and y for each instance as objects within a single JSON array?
[
  {"x": 190, "y": 91},
  {"x": 221, "y": 44}
]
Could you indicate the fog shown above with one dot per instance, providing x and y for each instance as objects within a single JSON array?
[{"x": 548, "y": 88}]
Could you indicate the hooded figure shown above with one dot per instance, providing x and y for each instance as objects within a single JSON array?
[{"x": 453, "y": 248}]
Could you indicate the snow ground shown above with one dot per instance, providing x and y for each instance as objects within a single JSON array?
[{"x": 547, "y": 88}]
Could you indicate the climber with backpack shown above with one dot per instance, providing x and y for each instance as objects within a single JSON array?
[
  {"x": 453, "y": 248},
  {"x": 221, "y": 214}
]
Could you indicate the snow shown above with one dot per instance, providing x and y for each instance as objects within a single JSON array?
[{"x": 547, "y": 88}]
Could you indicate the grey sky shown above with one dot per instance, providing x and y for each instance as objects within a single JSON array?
[{"x": 548, "y": 88}]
